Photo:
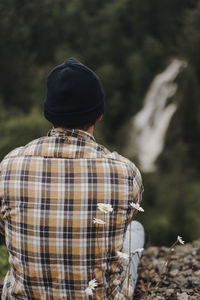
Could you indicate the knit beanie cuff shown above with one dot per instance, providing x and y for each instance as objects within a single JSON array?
[{"x": 73, "y": 118}]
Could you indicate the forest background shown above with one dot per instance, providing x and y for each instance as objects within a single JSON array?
[{"x": 126, "y": 42}]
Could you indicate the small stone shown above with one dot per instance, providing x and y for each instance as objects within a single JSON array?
[
  {"x": 197, "y": 273},
  {"x": 187, "y": 272},
  {"x": 164, "y": 249},
  {"x": 195, "y": 281},
  {"x": 182, "y": 296},
  {"x": 165, "y": 283},
  {"x": 174, "y": 272},
  {"x": 195, "y": 266},
  {"x": 169, "y": 292},
  {"x": 153, "y": 251},
  {"x": 198, "y": 251},
  {"x": 181, "y": 281},
  {"x": 188, "y": 291},
  {"x": 160, "y": 265}
]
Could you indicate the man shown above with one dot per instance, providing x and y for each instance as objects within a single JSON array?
[{"x": 66, "y": 202}]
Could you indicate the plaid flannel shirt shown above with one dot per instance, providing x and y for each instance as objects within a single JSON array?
[{"x": 49, "y": 191}]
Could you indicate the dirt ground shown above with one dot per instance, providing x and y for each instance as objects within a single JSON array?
[{"x": 179, "y": 279}]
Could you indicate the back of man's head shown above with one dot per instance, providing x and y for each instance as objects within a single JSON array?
[{"x": 74, "y": 95}]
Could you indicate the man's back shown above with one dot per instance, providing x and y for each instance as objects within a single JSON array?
[{"x": 50, "y": 190}]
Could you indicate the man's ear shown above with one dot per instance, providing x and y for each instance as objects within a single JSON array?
[{"x": 99, "y": 118}]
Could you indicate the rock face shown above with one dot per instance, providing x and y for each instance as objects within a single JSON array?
[{"x": 179, "y": 279}]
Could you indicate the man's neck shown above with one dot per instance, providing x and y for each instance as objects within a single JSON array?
[{"x": 91, "y": 130}]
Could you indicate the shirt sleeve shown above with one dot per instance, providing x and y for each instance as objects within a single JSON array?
[
  {"x": 136, "y": 194},
  {"x": 138, "y": 187},
  {"x": 1, "y": 198}
]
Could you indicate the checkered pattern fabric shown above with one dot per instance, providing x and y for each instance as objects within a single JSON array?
[{"x": 49, "y": 191}]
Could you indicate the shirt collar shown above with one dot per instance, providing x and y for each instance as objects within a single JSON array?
[{"x": 77, "y": 133}]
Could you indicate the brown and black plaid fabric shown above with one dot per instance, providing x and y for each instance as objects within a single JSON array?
[{"x": 49, "y": 192}]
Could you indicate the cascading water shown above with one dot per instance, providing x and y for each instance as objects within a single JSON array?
[{"x": 149, "y": 125}]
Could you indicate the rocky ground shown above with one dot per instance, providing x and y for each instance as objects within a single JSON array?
[{"x": 178, "y": 280}]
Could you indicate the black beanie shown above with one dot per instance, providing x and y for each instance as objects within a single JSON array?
[{"x": 74, "y": 95}]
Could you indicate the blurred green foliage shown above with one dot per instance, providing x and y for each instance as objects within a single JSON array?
[
  {"x": 3, "y": 261},
  {"x": 21, "y": 129},
  {"x": 127, "y": 42}
]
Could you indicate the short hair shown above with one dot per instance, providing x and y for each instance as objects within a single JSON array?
[{"x": 83, "y": 127}]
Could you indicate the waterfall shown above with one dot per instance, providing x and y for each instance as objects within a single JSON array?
[{"x": 148, "y": 127}]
